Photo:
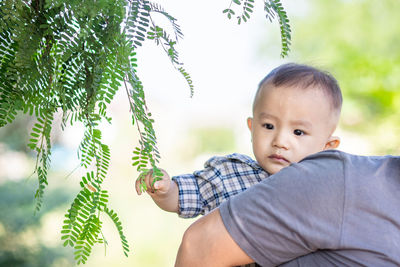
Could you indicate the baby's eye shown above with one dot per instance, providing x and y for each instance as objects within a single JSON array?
[
  {"x": 298, "y": 132},
  {"x": 269, "y": 126}
]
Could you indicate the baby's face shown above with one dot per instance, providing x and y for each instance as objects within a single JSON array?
[{"x": 290, "y": 124}]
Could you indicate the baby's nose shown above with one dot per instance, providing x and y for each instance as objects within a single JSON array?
[{"x": 280, "y": 141}]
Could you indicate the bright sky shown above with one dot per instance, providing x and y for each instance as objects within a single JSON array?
[{"x": 220, "y": 56}]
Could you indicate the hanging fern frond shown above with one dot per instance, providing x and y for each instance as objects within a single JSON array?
[
  {"x": 147, "y": 156},
  {"x": 40, "y": 142},
  {"x": 248, "y": 6},
  {"x": 162, "y": 38},
  {"x": 156, "y": 8},
  {"x": 137, "y": 22},
  {"x": 9, "y": 97},
  {"x": 272, "y": 8},
  {"x": 82, "y": 226},
  {"x": 188, "y": 79},
  {"x": 113, "y": 216},
  {"x": 89, "y": 147}
]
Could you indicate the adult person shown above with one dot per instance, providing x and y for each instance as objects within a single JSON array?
[{"x": 330, "y": 209}]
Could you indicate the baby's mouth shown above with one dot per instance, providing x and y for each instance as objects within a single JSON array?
[{"x": 278, "y": 158}]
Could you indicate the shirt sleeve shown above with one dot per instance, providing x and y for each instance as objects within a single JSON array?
[
  {"x": 198, "y": 190},
  {"x": 190, "y": 203},
  {"x": 221, "y": 178},
  {"x": 292, "y": 213}
]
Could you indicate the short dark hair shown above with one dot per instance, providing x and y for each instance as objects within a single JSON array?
[{"x": 304, "y": 76}]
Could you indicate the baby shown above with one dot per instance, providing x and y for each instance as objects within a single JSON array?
[{"x": 295, "y": 112}]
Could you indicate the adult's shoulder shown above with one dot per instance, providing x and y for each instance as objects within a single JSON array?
[
  {"x": 356, "y": 164},
  {"x": 356, "y": 172},
  {"x": 335, "y": 154},
  {"x": 318, "y": 167},
  {"x": 329, "y": 155}
]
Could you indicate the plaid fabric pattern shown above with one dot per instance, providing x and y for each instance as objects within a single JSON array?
[{"x": 221, "y": 178}]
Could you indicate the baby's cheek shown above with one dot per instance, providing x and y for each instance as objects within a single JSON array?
[{"x": 273, "y": 169}]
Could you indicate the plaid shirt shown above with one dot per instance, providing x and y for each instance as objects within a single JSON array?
[{"x": 221, "y": 178}]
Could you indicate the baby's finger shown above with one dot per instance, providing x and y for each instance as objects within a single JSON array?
[
  {"x": 148, "y": 179},
  {"x": 162, "y": 186},
  {"x": 137, "y": 186}
]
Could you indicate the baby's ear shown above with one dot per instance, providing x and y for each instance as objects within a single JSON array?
[
  {"x": 333, "y": 142},
  {"x": 249, "y": 122}
]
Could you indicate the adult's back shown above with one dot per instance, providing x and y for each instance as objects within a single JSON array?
[{"x": 331, "y": 209}]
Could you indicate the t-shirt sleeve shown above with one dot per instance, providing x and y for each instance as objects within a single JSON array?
[{"x": 292, "y": 213}]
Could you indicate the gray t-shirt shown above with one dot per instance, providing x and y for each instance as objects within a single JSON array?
[{"x": 331, "y": 209}]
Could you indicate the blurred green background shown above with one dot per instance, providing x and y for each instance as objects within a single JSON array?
[{"x": 356, "y": 40}]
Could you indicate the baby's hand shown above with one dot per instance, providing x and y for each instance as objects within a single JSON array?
[
  {"x": 164, "y": 192},
  {"x": 145, "y": 180}
]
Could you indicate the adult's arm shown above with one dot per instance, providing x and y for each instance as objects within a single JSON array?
[{"x": 207, "y": 243}]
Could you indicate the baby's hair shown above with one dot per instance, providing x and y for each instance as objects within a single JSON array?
[{"x": 304, "y": 77}]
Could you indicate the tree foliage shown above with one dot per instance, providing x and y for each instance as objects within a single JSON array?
[
  {"x": 273, "y": 8},
  {"x": 68, "y": 59}
]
